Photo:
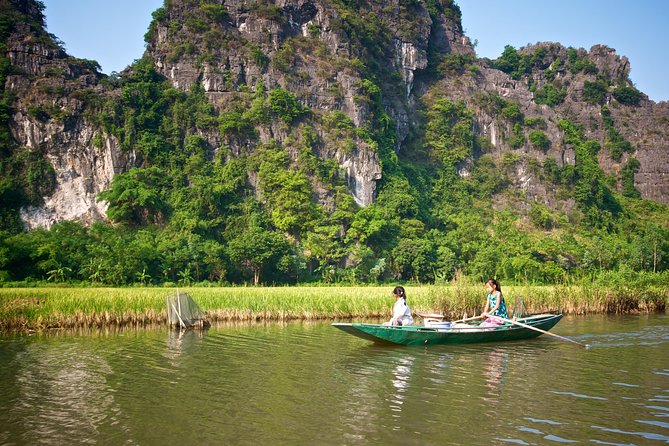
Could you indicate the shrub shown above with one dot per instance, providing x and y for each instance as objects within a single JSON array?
[
  {"x": 285, "y": 57},
  {"x": 580, "y": 62},
  {"x": 627, "y": 177},
  {"x": 550, "y": 95},
  {"x": 615, "y": 142},
  {"x": 456, "y": 63},
  {"x": 285, "y": 105},
  {"x": 196, "y": 25},
  {"x": 511, "y": 111},
  {"x": 541, "y": 217},
  {"x": 38, "y": 113},
  {"x": 509, "y": 61},
  {"x": 258, "y": 57},
  {"x": 216, "y": 13},
  {"x": 510, "y": 159},
  {"x": 234, "y": 123},
  {"x": 338, "y": 120},
  {"x": 539, "y": 140},
  {"x": 270, "y": 12},
  {"x": 592, "y": 147},
  {"x": 40, "y": 178},
  {"x": 258, "y": 113},
  {"x": 627, "y": 95},
  {"x": 535, "y": 123},
  {"x": 616, "y": 148},
  {"x": 552, "y": 171},
  {"x": 180, "y": 50},
  {"x": 517, "y": 140},
  {"x": 314, "y": 29},
  {"x": 595, "y": 92}
]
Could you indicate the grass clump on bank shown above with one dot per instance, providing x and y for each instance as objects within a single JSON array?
[{"x": 44, "y": 308}]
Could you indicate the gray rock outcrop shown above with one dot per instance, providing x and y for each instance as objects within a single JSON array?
[{"x": 311, "y": 50}]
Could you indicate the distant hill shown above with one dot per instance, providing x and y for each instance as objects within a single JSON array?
[{"x": 324, "y": 140}]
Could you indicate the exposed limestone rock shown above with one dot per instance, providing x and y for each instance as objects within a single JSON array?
[
  {"x": 362, "y": 172},
  {"x": 302, "y": 46},
  {"x": 410, "y": 59},
  {"x": 319, "y": 87},
  {"x": 81, "y": 170},
  {"x": 641, "y": 125}
]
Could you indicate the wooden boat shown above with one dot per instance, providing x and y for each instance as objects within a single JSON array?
[{"x": 447, "y": 333}]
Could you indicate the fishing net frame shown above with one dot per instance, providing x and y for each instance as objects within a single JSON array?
[{"x": 183, "y": 312}]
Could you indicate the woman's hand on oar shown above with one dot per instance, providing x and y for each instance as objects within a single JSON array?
[{"x": 540, "y": 330}]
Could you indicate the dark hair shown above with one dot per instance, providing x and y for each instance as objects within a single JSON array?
[
  {"x": 495, "y": 283},
  {"x": 399, "y": 291}
]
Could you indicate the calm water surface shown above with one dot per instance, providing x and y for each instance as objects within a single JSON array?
[{"x": 308, "y": 383}]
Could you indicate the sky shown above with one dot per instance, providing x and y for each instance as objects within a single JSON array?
[
  {"x": 109, "y": 31},
  {"x": 112, "y": 32}
]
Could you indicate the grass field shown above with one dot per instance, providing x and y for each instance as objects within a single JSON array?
[{"x": 43, "y": 308}]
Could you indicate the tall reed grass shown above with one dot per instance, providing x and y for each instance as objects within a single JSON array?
[{"x": 43, "y": 308}]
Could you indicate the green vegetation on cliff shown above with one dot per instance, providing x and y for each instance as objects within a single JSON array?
[{"x": 247, "y": 192}]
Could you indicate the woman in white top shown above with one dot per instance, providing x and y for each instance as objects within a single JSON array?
[{"x": 401, "y": 311}]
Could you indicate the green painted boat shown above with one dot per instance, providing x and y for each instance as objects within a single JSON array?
[{"x": 455, "y": 334}]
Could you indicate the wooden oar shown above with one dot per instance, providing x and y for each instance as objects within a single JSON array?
[
  {"x": 539, "y": 330},
  {"x": 467, "y": 319},
  {"x": 430, "y": 315}
]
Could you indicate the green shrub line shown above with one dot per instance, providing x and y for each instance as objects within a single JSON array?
[{"x": 28, "y": 309}]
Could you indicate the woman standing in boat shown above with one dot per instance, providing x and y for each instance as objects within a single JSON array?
[
  {"x": 401, "y": 311},
  {"x": 495, "y": 305}
]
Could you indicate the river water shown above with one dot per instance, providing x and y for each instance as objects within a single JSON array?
[{"x": 310, "y": 384}]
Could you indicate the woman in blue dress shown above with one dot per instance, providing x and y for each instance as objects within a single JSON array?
[{"x": 495, "y": 305}]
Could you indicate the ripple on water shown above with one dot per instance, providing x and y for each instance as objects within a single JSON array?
[
  {"x": 578, "y": 395},
  {"x": 308, "y": 383},
  {"x": 512, "y": 440},
  {"x": 625, "y": 384},
  {"x": 612, "y": 444},
  {"x": 654, "y": 423},
  {"x": 655, "y": 335},
  {"x": 644, "y": 435},
  {"x": 534, "y": 420}
]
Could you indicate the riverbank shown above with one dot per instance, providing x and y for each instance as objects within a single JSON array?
[{"x": 47, "y": 308}]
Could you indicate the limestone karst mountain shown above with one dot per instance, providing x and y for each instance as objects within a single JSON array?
[
  {"x": 348, "y": 99},
  {"x": 321, "y": 53}
]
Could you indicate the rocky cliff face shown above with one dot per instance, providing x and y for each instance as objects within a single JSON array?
[
  {"x": 321, "y": 53},
  {"x": 649, "y": 130},
  {"x": 52, "y": 92},
  {"x": 640, "y": 124},
  {"x": 311, "y": 48},
  {"x": 81, "y": 169}
]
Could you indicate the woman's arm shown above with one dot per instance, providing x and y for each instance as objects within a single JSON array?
[
  {"x": 498, "y": 301},
  {"x": 487, "y": 304}
]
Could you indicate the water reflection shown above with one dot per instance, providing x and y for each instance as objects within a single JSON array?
[
  {"x": 436, "y": 380},
  {"x": 180, "y": 342},
  {"x": 400, "y": 380},
  {"x": 301, "y": 383},
  {"x": 62, "y": 394},
  {"x": 495, "y": 369}
]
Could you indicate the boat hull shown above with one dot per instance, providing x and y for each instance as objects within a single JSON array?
[{"x": 420, "y": 335}]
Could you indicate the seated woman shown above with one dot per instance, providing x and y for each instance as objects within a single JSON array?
[
  {"x": 494, "y": 306},
  {"x": 401, "y": 311}
]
